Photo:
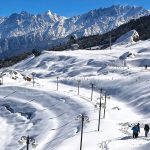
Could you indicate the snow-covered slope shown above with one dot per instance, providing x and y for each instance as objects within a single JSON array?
[
  {"x": 24, "y": 31},
  {"x": 50, "y": 116},
  {"x": 128, "y": 38}
]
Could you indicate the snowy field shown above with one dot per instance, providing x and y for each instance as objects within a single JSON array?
[{"x": 50, "y": 116}]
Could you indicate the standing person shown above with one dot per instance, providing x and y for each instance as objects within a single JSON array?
[
  {"x": 145, "y": 67},
  {"x": 138, "y": 126},
  {"x": 135, "y": 131},
  {"x": 146, "y": 129}
]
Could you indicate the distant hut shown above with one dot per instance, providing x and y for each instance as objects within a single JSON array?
[
  {"x": 73, "y": 43},
  {"x": 75, "y": 46}
]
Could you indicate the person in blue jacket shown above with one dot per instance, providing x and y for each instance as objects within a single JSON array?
[{"x": 136, "y": 130}]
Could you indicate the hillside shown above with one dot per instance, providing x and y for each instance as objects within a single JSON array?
[
  {"x": 51, "y": 115},
  {"x": 141, "y": 25}
]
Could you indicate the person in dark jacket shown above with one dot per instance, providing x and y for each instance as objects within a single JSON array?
[
  {"x": 135, "y": 131},
  {"x": 138, "y": 125},
  {"x": 146, "y": 129},
  {"x": 145, "y": 67}
]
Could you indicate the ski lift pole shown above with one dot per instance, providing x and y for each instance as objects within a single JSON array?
[
  {"x": 57, "y": 83},
  {"x": 100, "y": 104},
  {"x": 79, "y": 86},
  {"x": 2, "y": 77},
  {"x": 33, "y": 81},
  {"x": 92, "y": 85},
  {"x": 28, "y": 140},
  {"x": 33, "y": 75},
  {"x": 2, "y": 80},
  {"x": 110, "y": 39},
  {"x": 82, "y": 120},
  {"x": 105, "y": 105}
]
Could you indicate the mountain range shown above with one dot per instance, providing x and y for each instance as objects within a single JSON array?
[{"x": 22, "y": 32}]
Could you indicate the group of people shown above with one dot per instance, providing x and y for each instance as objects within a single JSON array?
[{"x": 136, "y": 130}]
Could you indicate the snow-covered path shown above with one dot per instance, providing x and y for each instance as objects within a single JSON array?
[{"x": 44, "y": 115}]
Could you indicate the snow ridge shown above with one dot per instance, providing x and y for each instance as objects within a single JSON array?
[{"x": 129, "y": 37}]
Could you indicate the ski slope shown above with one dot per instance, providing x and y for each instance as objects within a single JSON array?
[{"x": 51, "y": 116}]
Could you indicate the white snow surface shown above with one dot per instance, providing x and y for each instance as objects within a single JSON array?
[
  {"x": 128, "y": 38},
  {"x": 50, "y": 116}
]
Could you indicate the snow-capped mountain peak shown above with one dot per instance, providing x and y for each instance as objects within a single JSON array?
[
  {"x": 52, "y": 17},
  {"x": 23, "y": 31},
  {"x": 49, "y": 13}
]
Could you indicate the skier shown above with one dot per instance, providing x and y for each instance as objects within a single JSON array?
[{"x": 146, "y": 129}]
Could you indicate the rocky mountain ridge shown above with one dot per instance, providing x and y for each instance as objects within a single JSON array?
[{"x": 23, "y": 32}]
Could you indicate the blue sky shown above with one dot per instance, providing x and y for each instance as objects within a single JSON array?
[{"x": 62, "y": 7}]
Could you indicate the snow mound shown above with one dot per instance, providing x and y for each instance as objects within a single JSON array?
[
  {"x": 16, "y": 75},
  {"x": 128, "y": 38},
  {"x": 13, "y": 74},
  {"x": 126, "y": 54}
]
